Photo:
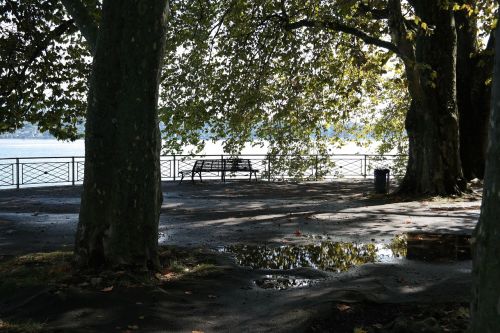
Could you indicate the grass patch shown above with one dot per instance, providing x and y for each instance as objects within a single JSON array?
[
  {"x": 181, "y": 263},
  {"x": 37, "y": 268},
  {"x": 21, "y": 327},
  {"x": 55, "y": 269}
]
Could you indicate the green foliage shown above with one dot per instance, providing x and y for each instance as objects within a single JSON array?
[
  {"x": 236, "y": 73},
  {"x": 385, "y": 124},
  {"x": 44, "y": 68},
  {"x": 235, "y": 70}
]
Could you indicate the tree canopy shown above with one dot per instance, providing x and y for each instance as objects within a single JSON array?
[
  {"x": 238, "y": 71},
  {"x": 44, "y": 68},
  {"x": 297, "y": 75}
]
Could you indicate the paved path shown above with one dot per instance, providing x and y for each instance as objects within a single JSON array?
[
  {"x": 211, "y": 215},
  {"x": 214, "y": 214}
]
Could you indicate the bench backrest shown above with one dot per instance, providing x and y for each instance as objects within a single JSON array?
[
  {"x": 230, "y": 164},
  {"x": 208, "y": 165},
  {"x": 238, "y": 164}
]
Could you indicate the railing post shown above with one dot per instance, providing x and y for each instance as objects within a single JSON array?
[
  {"x": 365, "y": 167},
  {"x": 316, "y": 168},
  {"x": 268, "y": 168},
  {"x": 17, "y": 172},
  {"x": 222, "y": 168},
  {"x": 73, "y": 170},
  {"x": 174, "y": 166}
]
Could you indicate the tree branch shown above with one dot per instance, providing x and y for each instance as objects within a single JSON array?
[
  {"x": 398, "y": 29},
  {"x": 40, "y": 47},
  {"x": 54, "y": 34},
  {"x": 83, "y": 20},
  {"x": 336, "y": 26},
  {"x": 378, "y": 14}
]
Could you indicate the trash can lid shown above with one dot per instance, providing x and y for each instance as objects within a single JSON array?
[{"x": 382, "y": 171}]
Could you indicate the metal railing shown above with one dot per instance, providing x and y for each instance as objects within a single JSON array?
[{"x": 34, "y": 171}]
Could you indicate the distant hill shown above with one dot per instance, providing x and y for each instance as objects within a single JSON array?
[{"x": 30, "y": 131}]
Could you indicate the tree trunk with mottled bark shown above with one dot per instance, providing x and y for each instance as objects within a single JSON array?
[
  {"x": 434, "y": 166},
  {"x": 122, "y": 196},
  {"x": 474, "y": 68},
  {"x": 485, "y": 307}
]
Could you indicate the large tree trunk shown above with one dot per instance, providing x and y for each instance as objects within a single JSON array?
[
  {"x": 485, "y": 307},
  {"x": 473, "y": 94},
  {"x": 434, "y": 166},
  {"x": 122, "y": 195}
]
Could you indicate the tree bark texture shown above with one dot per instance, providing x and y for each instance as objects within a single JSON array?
[
  {"x": 485, "y": 307},
  {"x": 473, "y": 95},
  {"x": 432, "y": 123},
  {"x": 122, "y": 195}
]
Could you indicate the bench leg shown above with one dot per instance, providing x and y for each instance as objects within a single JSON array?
[
  {"x": 182, "y": 177},
  {"x": 254, "y": 174}
]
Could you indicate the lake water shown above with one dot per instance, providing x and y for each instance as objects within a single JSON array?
[
  {"x": 40, "y": 148},
  {"x": 51, "y": 147}
]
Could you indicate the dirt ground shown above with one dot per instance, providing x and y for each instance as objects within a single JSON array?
[{"x": 204, "y": 221}]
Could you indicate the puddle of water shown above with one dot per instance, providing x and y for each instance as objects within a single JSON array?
[
  {"x": 341, "y": 256},
  {"x": 282, "y": 282},
  {"x": 438, "y": 247},
  {"x": 162, "y": 237},
  {"x": 327, "y": 256}
]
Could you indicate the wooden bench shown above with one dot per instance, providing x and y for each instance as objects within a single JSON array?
[{"x": 220, "y": 165}]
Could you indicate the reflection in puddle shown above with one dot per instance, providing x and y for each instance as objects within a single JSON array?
[
  {"x": 282, "y": 282},
  {"x": 340, "y": 256},
  {"x": 438, "y": 247},
  {"x": 327, "y": 256},
  {"x": 162, "y": 237}
]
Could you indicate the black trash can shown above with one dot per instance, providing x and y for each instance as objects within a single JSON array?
[{"x": 381, "y": 180}]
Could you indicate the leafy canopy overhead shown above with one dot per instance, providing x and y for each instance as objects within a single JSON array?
[
  {"x": 44, "y": 68},
  {"x": 296, "y": 75},
  {"x": 240, "y": 71}
]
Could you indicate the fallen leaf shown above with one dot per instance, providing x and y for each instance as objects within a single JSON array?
[
  {"x": 343, "y": 307},
  {"x": 212, "y": 296},
  {"x": 402, "y": 280},
  {"x": 197, "y": 332},
  {"x": 107, "y": 289},
  {"x": 187, "y": 292},
  {"x": 463, "y": 312},
  {"x": 133, "y": 327},
  {"x": 141, "y": 317},
  {"x": 297, "y": 232},
  {"x": 360, "y": 330}
]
